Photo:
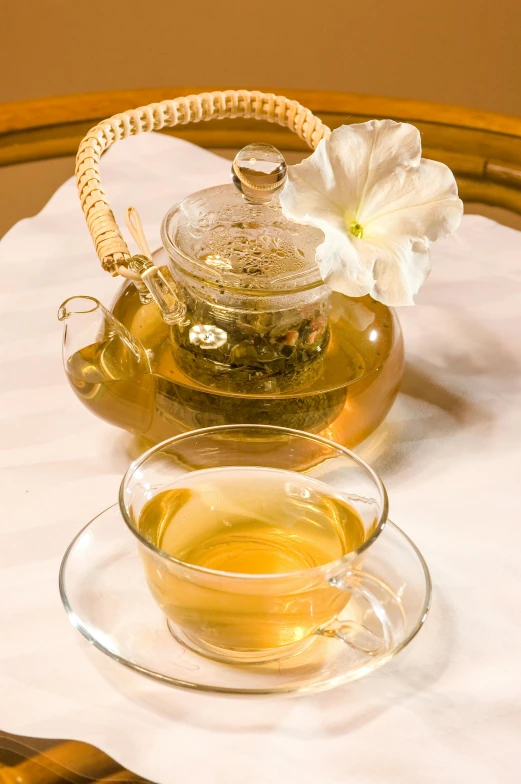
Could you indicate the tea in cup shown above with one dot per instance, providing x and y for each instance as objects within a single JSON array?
[{"x": 251, "y": 538}]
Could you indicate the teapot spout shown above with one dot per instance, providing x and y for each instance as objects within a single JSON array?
[
  {"x": 88, "y": 322},
  {"x": 107, "y": 367}
]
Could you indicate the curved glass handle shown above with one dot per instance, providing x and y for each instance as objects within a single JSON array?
[{"x": 382, "y": 604}]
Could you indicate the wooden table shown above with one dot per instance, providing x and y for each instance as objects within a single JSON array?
[
  {"x": 35, "y": 761},
  {"x": 482, "y": 148}
]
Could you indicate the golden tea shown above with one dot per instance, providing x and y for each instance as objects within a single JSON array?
[
  {"x": 252, "y": 521},
  {"x": 161, "y": 401},
  {"x": 107, "y": 377},
  {"x": 270, "y": 524}
]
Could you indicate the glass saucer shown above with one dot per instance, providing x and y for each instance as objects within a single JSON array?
[{"x": 104, "y": 592}]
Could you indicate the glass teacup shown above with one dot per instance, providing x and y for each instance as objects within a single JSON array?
[{"x": 260, "y": 580}]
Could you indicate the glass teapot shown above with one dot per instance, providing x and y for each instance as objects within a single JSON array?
[{"x": 231, "y": 321}]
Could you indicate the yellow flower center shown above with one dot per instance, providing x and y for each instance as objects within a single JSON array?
[{"x": 356, "y": 230}]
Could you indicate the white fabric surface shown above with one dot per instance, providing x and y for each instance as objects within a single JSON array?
[{"x": 448, "y": 708}]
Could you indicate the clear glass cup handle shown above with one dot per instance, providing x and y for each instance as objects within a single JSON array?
[{"x": 382, "y": 602}]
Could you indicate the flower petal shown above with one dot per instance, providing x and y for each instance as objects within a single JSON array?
[
  {"x": 352, "y": 162},
  {"x": 306, "y": 195},
  {"x": 399, "y": 270},
  {"x": 343, "y": 267},
  {"x": 420, "y": 203},
  {"x": 363, "y": 155}
]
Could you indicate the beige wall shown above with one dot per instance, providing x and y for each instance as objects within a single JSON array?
[{"x": 455, "y": 51}]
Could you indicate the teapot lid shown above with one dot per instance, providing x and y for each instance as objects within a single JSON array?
[{"x": 237, "y": 236}]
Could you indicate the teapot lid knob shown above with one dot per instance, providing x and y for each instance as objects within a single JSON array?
[{"x": 259, "y": 171}]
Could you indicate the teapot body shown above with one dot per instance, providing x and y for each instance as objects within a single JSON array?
[{"x": 344, "y": 395}]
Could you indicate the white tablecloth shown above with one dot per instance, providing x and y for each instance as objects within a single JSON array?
[{"x": 448, "y": 709}]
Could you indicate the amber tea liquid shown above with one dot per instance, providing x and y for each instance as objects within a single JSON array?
[
  {"x": 106, "y": 377},
  {"x": 248, "y": 521},
  {"x": 356, "y": 386}
]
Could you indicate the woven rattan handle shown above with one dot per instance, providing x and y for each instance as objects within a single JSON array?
[{"x": 110, "y": 245}]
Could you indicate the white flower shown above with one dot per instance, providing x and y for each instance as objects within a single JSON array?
[{"x": 379, "y": 204}]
